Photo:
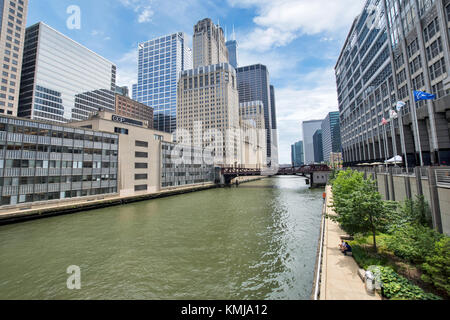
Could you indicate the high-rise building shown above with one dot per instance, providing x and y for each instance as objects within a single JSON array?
[
  {"x": 62, "y": 80},
  {"x": 254, "y": 85},
  {"x": 273, "y": 111},
  {"x": 318, "y": 146},
  {"x": 232, "y": 47},
  {"x": 331, "y": 135},
  {"x": 123, "y": 91},
  {"x": 209, "y": 44},
  {"x": 208, "y": 96},
  {"x": 13, "y": 16},
  {"x": 253, "y": 111},
  {"x": 309, "y": 129},
  {"x": 392, "y": 49},
  {"x": 161, "y": 61},
  {"x": 297, "y": 154},
  {"x": 130, "y": 108}
]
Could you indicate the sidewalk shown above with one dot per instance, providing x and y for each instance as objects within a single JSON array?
[{"x": 340, "y": 280}]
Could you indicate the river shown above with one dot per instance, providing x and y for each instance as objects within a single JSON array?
[{"x": 257, "y": 241}]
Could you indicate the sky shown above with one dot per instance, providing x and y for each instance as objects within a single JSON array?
[{"x": 298, "y": 40}]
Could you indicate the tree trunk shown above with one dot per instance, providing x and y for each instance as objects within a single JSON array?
[{"x": 374, "y": 239}]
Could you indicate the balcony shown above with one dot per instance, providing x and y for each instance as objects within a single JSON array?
[
  {"x": 66, "y": 171},
  {"x": 67, "y": 157},
  {"x": 77, "y": 157},
  {"x": 44, "y": 140},
  {"x": 54, "y": 187},
  {"x": 78, "y": 143},
  {"x": 42, "y": 156},
  {"x": 76, "y": 185},
  {"x": 67, "y": 142},
  {"x": 2, "y": 136},
  {"x": 41, "y": 172},
  {"x": 88, "y": 144},
  {"x": 15, "y": 137},
  {"x": 96, "y": 171},
  {"x": 55, "y": 156},
  {"x": 28, "y": 155},
  {"x": 88, "y": 157},
  {"x": 87, "y": 185},
  {"x": 96, "y": 184},
  {"x": 87, "y": 171},
  {"x": 56, "y": 141},
  {"x": 65, "y": 187},
  {"x": 105, "y": 184},
  {"x": 27, "y": 172},
  {"x": 30, "y": 139},
  {"x": 113, "y": 183},
  {"x": 97, "y": 157},
  {"x": 27, "y": 189},
  {"x": 10, "y": 190},
  {"x": 13, "y": 154},
  {"x": 97, "y": 145},
  {"x": 11, "y": 172},
  {"x": 40, "y": 188},
  {"x": 54, "y": 172}
]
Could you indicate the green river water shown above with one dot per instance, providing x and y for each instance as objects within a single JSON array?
[{"x": 257, "y": 241}]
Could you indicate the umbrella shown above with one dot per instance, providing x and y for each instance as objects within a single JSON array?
[{"x": 395, "y": 160}]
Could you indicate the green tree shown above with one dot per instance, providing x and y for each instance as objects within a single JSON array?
[{"x": 359, "y": 206}]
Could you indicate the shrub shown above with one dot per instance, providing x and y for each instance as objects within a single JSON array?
[
  {"x": 365, "y": 259},
  {"x": 415, "y": 211},
  {"x": 437, "y": 266},
  {"x": 397, "y": 287},
  {"x": 413, "y": 242}
]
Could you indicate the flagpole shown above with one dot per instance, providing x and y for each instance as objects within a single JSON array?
[
  {"x": 416, "y": 126},
  {"x": 402, "y": 139}
]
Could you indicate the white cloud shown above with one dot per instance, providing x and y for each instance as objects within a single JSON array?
[
  {"x": 141, "y": 7},
  {"x": 127, "y": 69},
  {"x": 146, "y": 15},
  {"x": 281, "y": 21},
  {"x": 296, "y": 104}
]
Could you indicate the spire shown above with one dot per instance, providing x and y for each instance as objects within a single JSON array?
[{"x": 233, "y": 35}]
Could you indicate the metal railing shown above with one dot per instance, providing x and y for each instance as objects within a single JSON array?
[{"x": 319, "y": 260}]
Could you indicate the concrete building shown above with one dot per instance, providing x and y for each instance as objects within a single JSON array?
[
  {"x": 318, "y": 146},
  {"x": 62, "y": 80},
  {"x": 208, "y": 101},
  {"x": 253, "y": 111},
  {"x": 13, "y": 21},
  {"x": 209, "y": 44},
  {"x": 309, "y": 129},
  {"x": 331, "y": 135},
  {"x": 130, "y": 108},
  {"x": 140, "y": 151},
  {"x": 390, "y": 52},
  {"x": 161, "y": 61},
  {"x": 254, "y": 85},
  {"x": 43, "y": 162},
  {"x": 297, "y": 155}
]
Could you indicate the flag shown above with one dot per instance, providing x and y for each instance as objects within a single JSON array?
[
  {"x": 400, "y": 105},
  {"x": 384, "y": 122},
  {"x": 420, "y": 95},
  {"x": 393, "y": 114}
]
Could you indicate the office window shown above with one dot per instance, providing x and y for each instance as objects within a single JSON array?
[
  {"x": 120, "y": 130},
  {"x": 139, "y": 165},
  {"x": 143, "y": 187},
  {"x": 141, "y": 176},
  {"x": 141, "y": 154},
  {"x": 141, "y": 144}
]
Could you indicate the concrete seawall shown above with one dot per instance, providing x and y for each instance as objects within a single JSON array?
[{"x": 38, "y": 211}]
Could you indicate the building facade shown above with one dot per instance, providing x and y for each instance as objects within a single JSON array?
[
  {"x": 209, "y": 44},
  {"x": 254, "y": 85},
  {"x": 318, "y": 146},
  {"x": 41, "y": 162},
  {"x": 393, "y": 48},
  {"x": 161, "y": 61},
  {"x": 123, "y": 91},
  {"x": 331, "y": 135},
  {"x": 62, "y": 80},
  {"x": 253, "y": 111},
  {"x": 297, "y": 155},
  {"x": 193, "y": 168},
  {"x": 208, "y": 101},
  {"x": 140, "y": 148},
  {"x": 309, "y": 129},
  {"x": 132, "y": 109},
  {"x": 13, "y": 16}
]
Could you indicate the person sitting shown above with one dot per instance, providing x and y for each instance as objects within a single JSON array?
[{"x": 345, "y": 248}]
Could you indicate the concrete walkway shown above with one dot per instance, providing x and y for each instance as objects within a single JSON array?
[{"x": 340, "y": 280}]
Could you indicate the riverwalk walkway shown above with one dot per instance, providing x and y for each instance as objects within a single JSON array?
[{"x": 340, "y": 280}]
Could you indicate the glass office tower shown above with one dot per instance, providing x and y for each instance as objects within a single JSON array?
[
  {"x": 254, "y": 85},
  {"x": 62, "y": 80},
  {"x": 309, "y": 129},
  {"x": 297, "y": 155},
  {"x": 13, "y": 15},
  {"x": 232, "y": 47},
  {"x": 331, "y": 135},
  {"x": 318, "y": 146},
  {"x": 161, "y": 61}
]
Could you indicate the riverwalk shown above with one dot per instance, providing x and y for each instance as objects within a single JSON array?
[{"x": 340, "y": 279}]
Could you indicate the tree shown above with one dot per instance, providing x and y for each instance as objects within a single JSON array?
[{"x": 359, "y": 206}]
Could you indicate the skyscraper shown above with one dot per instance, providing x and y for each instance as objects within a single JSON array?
[
  {"x": 273, "y": 111},
  {"x": 161, "y": 61},
  {"x": 309, "y": 129},
  {"x": 13, "y": 16},
  {"x": 62, "y": 80},
  {"x": 318, "y": 146},
  {"x": 331, "y": 135},
  {"x": 297, "y": 154},
  {"x": 254, "y": 85},
  {"x": 232, "y": 47},
  {"x": 209, "y": 44},
  {"x": 392, "y": 49}
]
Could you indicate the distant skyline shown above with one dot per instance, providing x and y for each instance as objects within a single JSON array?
[{"x": 285, "y": 35}]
